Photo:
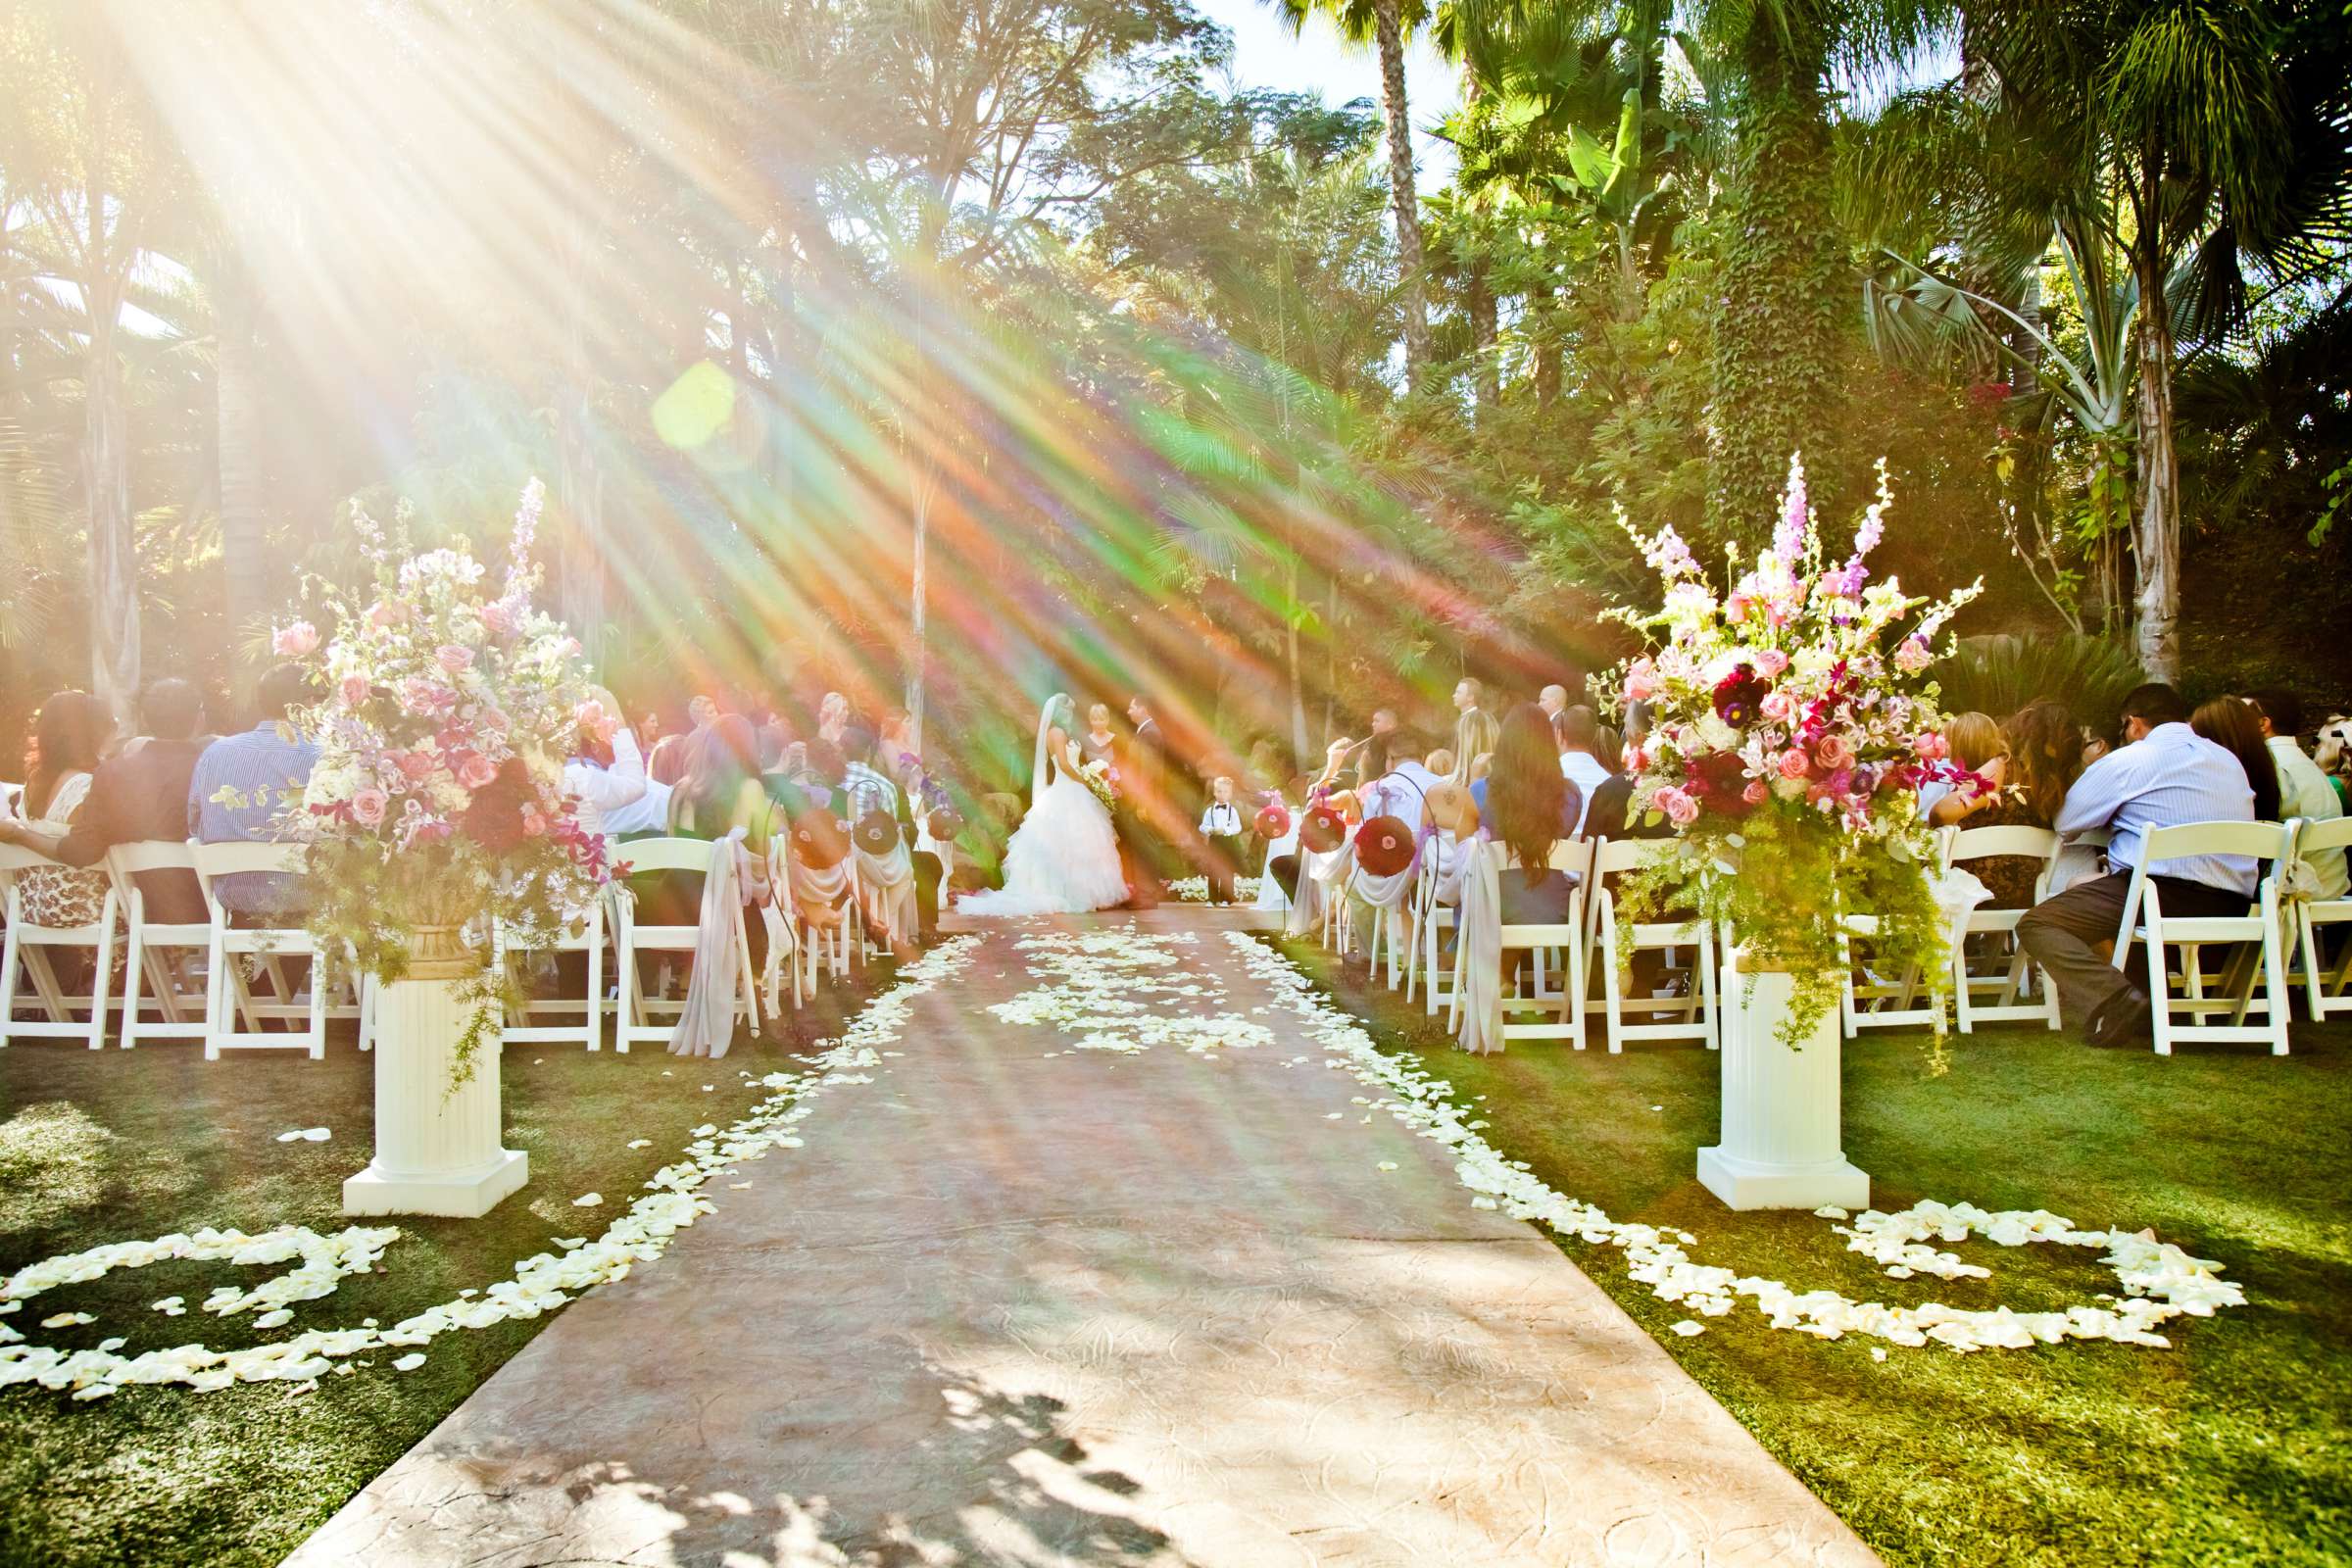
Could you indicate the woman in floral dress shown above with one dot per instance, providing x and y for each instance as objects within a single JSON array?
[
  {"x": 70, "y": 730},
  {"x": 2031, "y": 762}
]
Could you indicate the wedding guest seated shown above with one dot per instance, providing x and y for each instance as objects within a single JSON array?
[
  {"x": 870, "y": 789},
  {"x": 2229, "y": 723},
  {"x": 666, "y": 763},
  {"x": 2165, "y": 775},
  {"x": 1582, "y": 761},
  {"x": 1440, "y": 761},
  {"x": 139, "y": 793},
  {"x": 1400, "y": 790},
  {"x": 2304, "y": 791},
  {"x": 606, "y": 773},
  {"x": 1525, "y": 774},
  {"x": 1609, "y": 811},
  {"x": 1976, "y": 745},
  {"x": 1528, "y": 804},
  {"x": 242, "y": 784},
  {"x": 2031, "y": 761},
  {"x": 69, "y": 736},
  {"x": 1284, "y": 868}
]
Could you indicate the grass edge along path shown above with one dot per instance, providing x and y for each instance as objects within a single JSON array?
[
  {"x": 2228, "y": 1447},
  {"x": 114, "y": 1145}
]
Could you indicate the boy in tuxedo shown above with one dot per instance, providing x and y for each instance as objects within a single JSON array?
[{"x": 1221, "y": 828}]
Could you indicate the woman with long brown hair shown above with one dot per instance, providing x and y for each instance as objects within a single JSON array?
[
  {"x": 2230, "y": 724},
  {"x": 70, "y": 733},
  {"x": 1525, "y": 802}
]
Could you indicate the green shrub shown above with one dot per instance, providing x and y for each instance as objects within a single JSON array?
[{"x": 2001, "y": 673}]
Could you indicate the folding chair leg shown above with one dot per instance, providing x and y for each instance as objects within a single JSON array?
[
  {"x": 102, "y": 978},
  {"x": 7, "y": 982},
  {"x": 2159, "y": 992},
  {"x": 215, "y": 991},
  {"x": 135, "y": 958}
]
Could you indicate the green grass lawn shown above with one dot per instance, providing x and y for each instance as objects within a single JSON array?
[
  {"x": 2234, "y": 1447},
  {"x": 114, "y": 1145}
]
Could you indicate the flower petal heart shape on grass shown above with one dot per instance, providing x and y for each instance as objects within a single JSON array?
[{"x": 540, "y": 1284}]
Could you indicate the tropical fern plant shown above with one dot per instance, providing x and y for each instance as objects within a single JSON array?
[{"x": 2000, "y": 674}]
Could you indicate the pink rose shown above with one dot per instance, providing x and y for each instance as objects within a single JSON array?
[
  {"x": 592, "y": 720},
  {"x": 1680, "y": 808},
  {"x": 367, "y": 807},
  {"x": 1641, "y": 681},
  {"x": 1778, "y": 705},
  {"x": 1911, "y": 656},
  {"x": 493, "y": 720},
  {"x": 354, "y": 690},
  {"x": 500, "y": 619},
  {"x": 292, "y": 642},
  {"x": 387, "y": 612},
  {"x": 1834, "y": 753},
  {"x": 1793, "y": 764},
  {"x": 1933, "y": 747},
  {"x": 1755, "y": 791},
  {"x": 473, "y": 770},
  {"x": 1770, "y": 663},
  {"x": 533, "y": 824},
  {"x": 456, "y": 661},
  {"x": 420, "y": 695},
  {"x": 416, "y": 766}
]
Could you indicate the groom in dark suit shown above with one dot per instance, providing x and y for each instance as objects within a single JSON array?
[{"x": 1153, "y": 807}]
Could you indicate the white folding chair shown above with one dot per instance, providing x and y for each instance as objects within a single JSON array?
[
  {"x": 2323, "y": 993},
  {"x": 1868, "y": 1000},
  {"x": 635, "y": 1009},
  {"x": 160, "y": 970},
  {"x": 1565, "y": 1005},
  {"x": 2014, "y": 976},
  {"x": 583, "y": 1015},
  {"x": 228, "y": 1000},
  {"x": 1614, "y": 941},
  {"x": 2144, "y": 921},
  {"x": 25, "y": 952},
  {"x": 794, "y": 951}
]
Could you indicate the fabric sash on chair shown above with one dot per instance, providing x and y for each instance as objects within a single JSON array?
[
  {"x": 707, "y": 1020},
  {"x": 1478, "y": 946},
  {"x": 819, "y": 894},
  {"x": 889, "y": 881},
  {"x": 1320, "y": 878}
]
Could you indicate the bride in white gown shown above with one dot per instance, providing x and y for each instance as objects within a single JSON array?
[{"x": 1064, "y": 856}]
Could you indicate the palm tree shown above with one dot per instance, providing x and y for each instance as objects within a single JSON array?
[
  {"x": 1386, "y": 23},
  {"x": 2216, "y": 138}
]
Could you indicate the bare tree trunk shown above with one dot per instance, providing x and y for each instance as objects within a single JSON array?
[
  {"x": 1389, "y": 32},
  {"x": 1547, "y": 346},
  {"x": 236, "y": 415},
  {"x": 2157, "y": 540},
  {"x": 113, "y": 560},
  {"x": 1292, "y": 664}
]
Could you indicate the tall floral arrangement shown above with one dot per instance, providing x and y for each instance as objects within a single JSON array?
[
  {"x": 1792, "y": 726},
  {"x": 450, "y": 707}
]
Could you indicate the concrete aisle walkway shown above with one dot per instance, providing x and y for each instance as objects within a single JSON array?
[{"x": 1014, "y": 1308}]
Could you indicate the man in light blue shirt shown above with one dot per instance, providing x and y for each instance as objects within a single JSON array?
[
  {"x": 2165, "y": 777},
  {"x": 242, "y": 785}
]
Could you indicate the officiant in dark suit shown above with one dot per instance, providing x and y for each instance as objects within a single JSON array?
[{"x": 1155, "y": 804}]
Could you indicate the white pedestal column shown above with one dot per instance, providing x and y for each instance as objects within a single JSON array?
[
  {"x": 1782, "y": 1145},
  {"x": 436, "y": 1148}
]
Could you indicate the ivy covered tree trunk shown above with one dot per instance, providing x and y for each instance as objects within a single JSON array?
[
  {"x": 1387, "y": 28},
  {"x": 1485, "y": 329},
  {"x": 1778, "y": 330},
  {"x": 2156, "y": 541}
]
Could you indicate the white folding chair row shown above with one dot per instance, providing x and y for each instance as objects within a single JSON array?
[
  {"x": 160, "y": 972},
  {"x": 1432, "y": 918},
  {"x": 635, "y": 1009},
  {"x": 795, "y": 952},
  {"x": 582, "y": 1016}
]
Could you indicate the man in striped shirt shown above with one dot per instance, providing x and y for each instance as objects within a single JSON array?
[{"x": 2167, "y": 775}]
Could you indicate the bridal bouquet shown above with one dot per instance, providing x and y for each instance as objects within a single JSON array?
[
  {"x": 1103, "y": 779},
  {"x": 438, "y": 793},
  {"x": 1792, "y": 727}
]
